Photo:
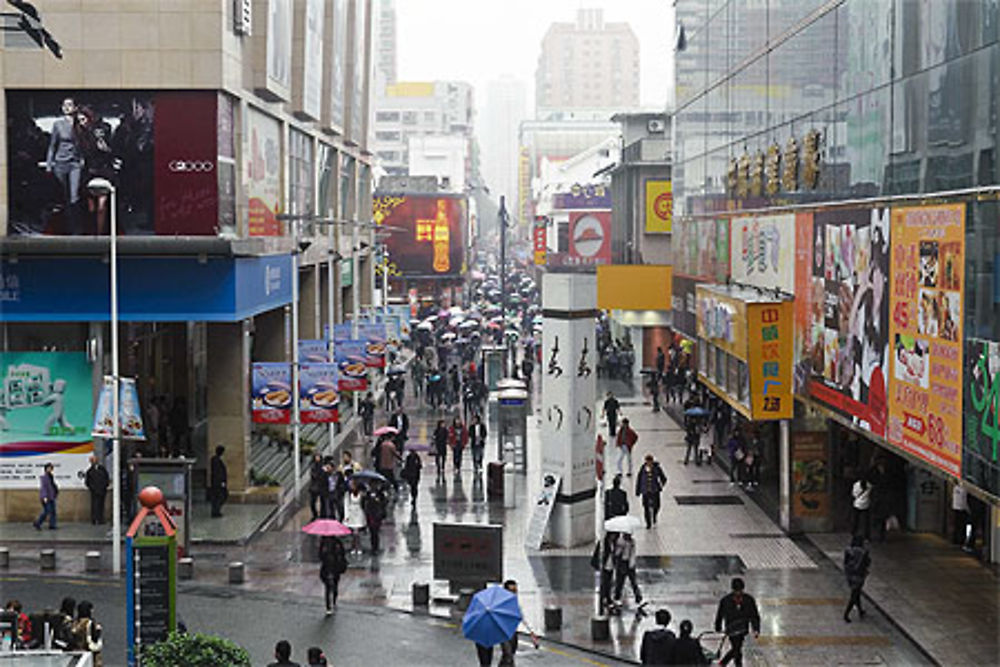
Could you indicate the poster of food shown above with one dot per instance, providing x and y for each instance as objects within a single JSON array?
[
  {"x": 763, "y": 251},
  {"x": 262, "y": 174},
  {"x": 271, "y": 393},
  {"x": 847, "y": 342},
  {"x": 374, "y": 336},
  {"x": 46, "y": 404},
  {"x": 402, "y": 313},
  {"x": 351, "y": 357},
  {"x": 319, "y": 395},
  {"x": 925, "y": 386},
  {"x": 980, "y": 462}
]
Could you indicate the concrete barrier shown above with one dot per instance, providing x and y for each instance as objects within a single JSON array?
[
  {"x": 421, "y": 594},
  {"x": 47, "y": 559},
  {"x": 237, "y": 572},
  {"x": 93, "y": 561},
  {"x": 185, "y": 568},
  {"x": 553, "y": 619},
  {"x": 600, "y": 628},
  {"x": 4, "y": 557}
]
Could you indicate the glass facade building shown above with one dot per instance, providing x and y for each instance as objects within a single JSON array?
[{"x": 808, "y": 107}]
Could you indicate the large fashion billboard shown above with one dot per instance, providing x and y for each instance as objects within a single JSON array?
[
  {"x": 925, "y": 386},
  {"x": 159, "y": 150},
  {"x": 847, "y": 298},
  {"x": 263, "y": 174},
  {"x": 981, "y": 407},
  {"x": 46, "y": 407},
  {"x": 763, "y": 251},
  {"x": 427, "y": 239},
  {"x": 701, "y": 248}
]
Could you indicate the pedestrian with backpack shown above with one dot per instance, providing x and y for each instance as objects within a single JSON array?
[{"x": 333, "y": 563}]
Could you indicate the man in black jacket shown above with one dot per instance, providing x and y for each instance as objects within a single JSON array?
[
  {"x": 318, "y": 483},
  {"x": 97, "y": 481},
  {"x": 615, "y": 499},
  {"x": 218, "y": 491},
  {"x": 648, "y": 486},
  {"x": 401, "y": 423},
  {"x": 658, "y": 643},
  {"x": 738, "y": 611}
]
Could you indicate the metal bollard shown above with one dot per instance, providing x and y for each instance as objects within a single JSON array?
[
  {"x": 553, "y": 619},
  {"x": 464, "y": 598},
  {"x": 421, "y": 594},
  {"x": 4, "y": 557},
  {"x": 237, "y": 572},
  {"x": 600, "y": 628},
  {"x": 48, "y": 559},
  {"x": 93, "y": 562},
  {"x": 185, "y": 568}
]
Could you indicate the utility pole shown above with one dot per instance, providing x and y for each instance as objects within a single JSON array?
[{"x": 502, "y": 221}]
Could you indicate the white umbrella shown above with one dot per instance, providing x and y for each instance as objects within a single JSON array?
[
  {"x": 626, "y": 523},
  {"x": 467, "y": 324},
  {"x": 425, "y": 326},
  {"x": 456, "y": 310},
  {"x": 448, "y": 336}
]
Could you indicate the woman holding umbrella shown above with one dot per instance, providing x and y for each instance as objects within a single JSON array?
[{"x": 333, "y": 563}]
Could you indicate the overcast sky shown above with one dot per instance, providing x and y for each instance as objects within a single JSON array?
[{"x": 479, "y": 40}]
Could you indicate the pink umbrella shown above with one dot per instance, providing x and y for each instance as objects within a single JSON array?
[
  {"x": 386, "y": 430},
  {"x": 326, "y": 528}
]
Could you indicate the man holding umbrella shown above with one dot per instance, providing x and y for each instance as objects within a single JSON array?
[{"x": 492, "y": 618}]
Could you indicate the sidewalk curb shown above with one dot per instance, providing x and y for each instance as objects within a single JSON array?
[{"x": 803, "y": 539}]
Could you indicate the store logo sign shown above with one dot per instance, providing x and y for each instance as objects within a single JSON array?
[{"x": 190, "y": 166}]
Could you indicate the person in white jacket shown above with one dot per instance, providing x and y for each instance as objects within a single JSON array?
[{"x": 861, "y": 520}]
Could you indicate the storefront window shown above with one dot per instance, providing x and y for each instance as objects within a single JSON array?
[
  {"x": 720, "y": 367},
  {"x": 744, "y": 380},
  {"x": 704, "y": 351}
]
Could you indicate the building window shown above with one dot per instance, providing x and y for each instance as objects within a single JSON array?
[
  {"x": 387, "y": 116},
  {"x": 409, "y": 118},
  {"x": 388, "y": 136}
]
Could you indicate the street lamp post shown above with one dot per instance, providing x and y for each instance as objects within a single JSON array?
[
  {"x": 502, "y": 220},
  {"x": 103, "y": 187}
]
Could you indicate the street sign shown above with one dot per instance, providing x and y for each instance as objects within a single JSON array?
[
  {"x": 542, "y": 510},
  {"x": 468, "y": 554}
]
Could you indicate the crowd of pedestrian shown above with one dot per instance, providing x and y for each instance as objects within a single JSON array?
[{"x": 71, "y": 628}]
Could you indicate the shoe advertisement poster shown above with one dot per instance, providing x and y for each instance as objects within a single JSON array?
[{"x": 46, "y": 404}]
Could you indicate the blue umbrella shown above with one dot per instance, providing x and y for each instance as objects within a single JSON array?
[
  {"x": 696, "y": 412},
  {"x": 492, "y": 617}
]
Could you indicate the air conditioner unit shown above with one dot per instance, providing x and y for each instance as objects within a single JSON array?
[
  {"x": 242, "y": 17},
  {"x": 656, "y": 126}
]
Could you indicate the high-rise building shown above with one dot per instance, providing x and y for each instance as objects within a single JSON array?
[
  {"x": 506, "y": 106},
  {"x": 409, "y": 109},
  {"x": 386, "y": 58},
  {"x": 588, "y": 64}
]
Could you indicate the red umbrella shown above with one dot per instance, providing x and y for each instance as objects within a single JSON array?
[
  {"x": 386, "y": 430},
  {"x": 326, "y": 528}
]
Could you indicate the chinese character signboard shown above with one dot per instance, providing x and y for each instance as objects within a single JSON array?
[
  {"x": 764, "y": 251},
  {"x": 430, "y": 241},
  {"x": 539, "y": 240},
  {"x": 925, "y": 387},
  {"x": 769, "y": 338},
  {"x": 468, "y": 553},
  {"x": 659, "y": 206},
  {"x": 271, "y": 393}
]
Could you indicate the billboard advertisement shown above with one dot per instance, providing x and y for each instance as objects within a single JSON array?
[
  {"x": 583, "y": 196},
  {"x": 848, "y": 337},
  {"x": 803, "y": 299},
  {"x": 769, "y": 359},
  {"x": 158, "y": 149},
  {"x": 981, "y": 408},
  {"x": 46, "y": 407},
  {"x": 589, "y": 238},
  {"x": 763, "y": 251},
  {"x": 538, "y": 239},
  {"x": 430, "y": 242},
  {"x": 318, "y": 394},
  {"x": 659, "y": 206},
  {"x": 351, "y": 360},
  {"x": 701, "y": 248},
  {"x": 271, "y": 393},
  {"x": 925, "y": 385},
  {"x": 810, "y": 475},
  {"x": 279, "y": 44},
  {"x": 683, "y": 308},
  {"x": 263, "y": 174},
  {"x": 374, "y": 336}
]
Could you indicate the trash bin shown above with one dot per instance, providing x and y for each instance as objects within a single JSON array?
[{"x": 494, "y": 480}]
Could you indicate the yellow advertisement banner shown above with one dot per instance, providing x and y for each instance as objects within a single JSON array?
[
  {"x": 659, "y": 206},
  {"x": 769, "y": 363},
  {"x": 925, "y": 333}
]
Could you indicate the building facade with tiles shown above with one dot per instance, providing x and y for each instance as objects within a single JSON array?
[
  {"x": 212, "y": 120},
  {"x": 844, "y": 152}
]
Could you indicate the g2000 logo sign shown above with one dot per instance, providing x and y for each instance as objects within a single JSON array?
[{"x": 190, "y": 166}]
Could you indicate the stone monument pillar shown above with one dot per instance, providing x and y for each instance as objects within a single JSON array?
[{"x": 569, "y": 379}]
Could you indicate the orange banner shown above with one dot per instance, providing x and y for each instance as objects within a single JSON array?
[
  {"x": 769, "y": 359},
  {"x": 925, "y": 332}
]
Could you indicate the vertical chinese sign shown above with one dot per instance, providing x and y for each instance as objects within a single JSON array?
[
  {"x": 539, "y": 240},
  {"x": 769, "y": 339},
  {"x": 925, "y": 331}
]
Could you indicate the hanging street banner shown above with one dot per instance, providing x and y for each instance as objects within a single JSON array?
[
  {"x": 271, "y": 393},
  {"x": 314, "y": 351},
  {"x": 319, "y": 396},
  {"x": 46, "y": 407},
  {"x": 374, "y": 335},
  {"x": 350, "y": 361},
  {"x": 925, "y": 385},
  {"x": 980, "y": 461},
  {"x": 539, "y": 241}
]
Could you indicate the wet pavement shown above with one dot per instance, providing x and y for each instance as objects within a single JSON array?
[{"x": 708, "y": 532}]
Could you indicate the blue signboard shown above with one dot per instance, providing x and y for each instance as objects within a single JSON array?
[{"x": 150, "y": 289}]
